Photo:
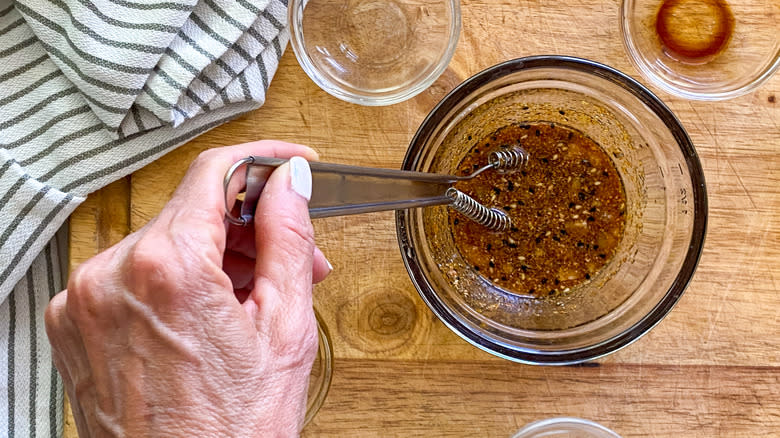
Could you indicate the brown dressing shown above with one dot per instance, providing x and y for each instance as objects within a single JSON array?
[
  {"x": 694, "y": 31},
  {"x": 567, "y": 206}
]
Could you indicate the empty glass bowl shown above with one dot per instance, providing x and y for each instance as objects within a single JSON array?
[
  {"x": 374, "y": 52},
  {"x": 321, "y": 372},
  {"x": 564, "y": 427},
  {"x": 702, "y": 49},
  {"x": 666, "y": 211}
]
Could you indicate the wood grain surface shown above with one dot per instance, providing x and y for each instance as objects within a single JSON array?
[{"x": 711, "y": 368}]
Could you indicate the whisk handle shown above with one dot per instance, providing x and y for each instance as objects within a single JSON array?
[{"x": 339, "y": 189}]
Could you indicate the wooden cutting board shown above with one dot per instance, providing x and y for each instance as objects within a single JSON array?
[{"x": 711, "y": 368}]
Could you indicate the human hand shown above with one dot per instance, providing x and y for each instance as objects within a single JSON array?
[{"x": 189, "y": 327}]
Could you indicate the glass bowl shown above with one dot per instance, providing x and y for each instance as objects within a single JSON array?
[
  {"x": 374, "y": 52},
  {"x": 676, "y": 47},
  {"x": 565, "y": 427},
  {"x": 666, "y": 211},
  {"x": 321, "y": 372}
]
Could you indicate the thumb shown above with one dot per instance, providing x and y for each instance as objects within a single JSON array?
[{"x": 284, "y": 237}]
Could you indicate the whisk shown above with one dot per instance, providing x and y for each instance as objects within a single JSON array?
[{"x": 339, "y": 189}]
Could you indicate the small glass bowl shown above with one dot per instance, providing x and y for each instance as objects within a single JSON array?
[
  {"x": 564, "y": 427},
  {"x": 666, "y": 211},
  {"x": 374, "y": 52},
  {"x": 321, "y": 372},
  {"x": 750, "y": 53}
]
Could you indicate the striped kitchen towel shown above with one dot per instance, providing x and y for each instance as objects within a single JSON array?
[{"x": 90, "y": 91}]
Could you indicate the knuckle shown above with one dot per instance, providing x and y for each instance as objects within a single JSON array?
[
  {"x": 85, "y": 292},
  {"x": 52, "y": 317},
  {"x": 205, "y": 156},
  {"x": 145, "y": 254},
  {"x": 146, "y": 261}
]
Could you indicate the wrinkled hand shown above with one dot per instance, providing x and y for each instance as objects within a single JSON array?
[{"x": 189, "y": 327}]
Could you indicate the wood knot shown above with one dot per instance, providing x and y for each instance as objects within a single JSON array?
[
  {"x": 389, "y": 319},
  {"x": 379, "y": 322}
]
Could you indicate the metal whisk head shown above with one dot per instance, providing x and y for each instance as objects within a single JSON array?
[
  {"x": 489, "y": 217},
  {"x": 509, "y": 159},
  {"x": 503, "y": 161}
]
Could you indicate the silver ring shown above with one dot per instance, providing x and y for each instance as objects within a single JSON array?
[{"x": 226, "y": 182}]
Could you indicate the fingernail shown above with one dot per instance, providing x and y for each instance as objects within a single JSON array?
[
  {"x": 330, "y": 267},
  {"x": 300, "y": 177}
]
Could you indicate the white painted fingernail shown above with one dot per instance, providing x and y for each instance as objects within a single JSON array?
[{"x": 300, "y": 177}]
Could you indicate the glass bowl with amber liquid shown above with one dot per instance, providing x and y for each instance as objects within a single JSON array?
[
  {"x": 609, "y": 213},
  {"x": 702, "y": 49}
]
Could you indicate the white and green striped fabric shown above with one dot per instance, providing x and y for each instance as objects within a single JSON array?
[{"x": 90, "y": 91}]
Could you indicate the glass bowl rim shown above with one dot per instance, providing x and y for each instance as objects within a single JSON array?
[
  {"x": 372, "y": 99},
  {"x": 571, "y": 422},
  {"x": 706, "y": 95},
  {"x": 325, "y": 353},
  {"x": 681, "y": 280}
]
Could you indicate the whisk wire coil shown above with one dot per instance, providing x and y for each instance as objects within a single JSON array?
[
  {"x": 508, "y": 160},
  {"x": 489, "y": 217}
]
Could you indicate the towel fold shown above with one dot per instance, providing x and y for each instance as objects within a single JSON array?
[{"x": 90, "y": 91}]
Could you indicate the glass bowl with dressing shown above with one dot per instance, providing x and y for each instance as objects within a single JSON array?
[
  {"x": 564, "y": 285},
  {"x": 702, "y": 49}
]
